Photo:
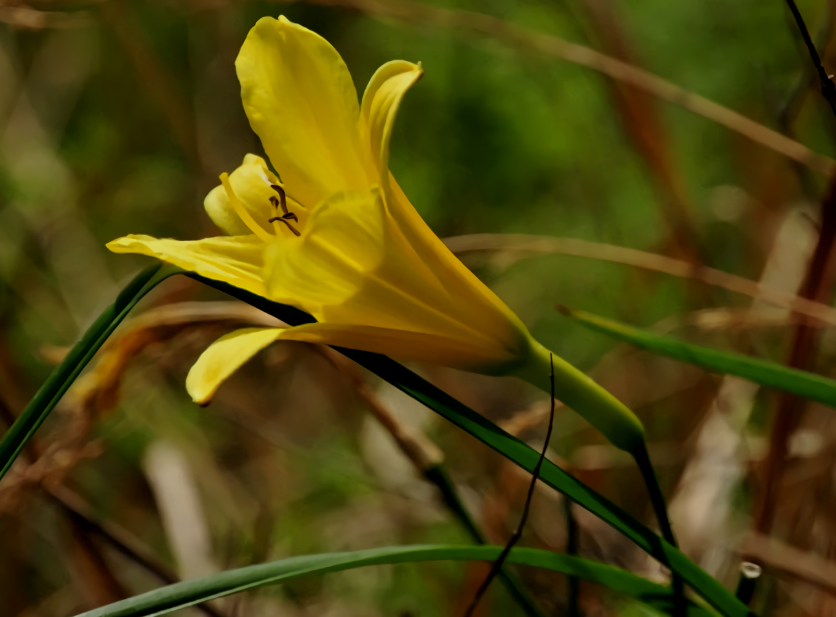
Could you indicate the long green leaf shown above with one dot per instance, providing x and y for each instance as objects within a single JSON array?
[
  {"x": 517, "y": 451},
  {"x": 405, "y": 380},
  {"x": 181, "y": 595},
  {"x": 770, "y": 374},
  {"x": 62, "y": 377}
]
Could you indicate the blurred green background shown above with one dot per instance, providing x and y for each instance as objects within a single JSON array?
[{"x": 117, "y": 117}]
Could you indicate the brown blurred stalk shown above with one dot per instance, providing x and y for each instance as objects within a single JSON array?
[
  {"x": 524, "y": 245},
  {"x": 428, "y": 461},
  {"x": 818, "y": 287},
  {"x": 102, "y": 586},
  {"x": 641, "y": 121},
  {"x": 415, "y": 13}
]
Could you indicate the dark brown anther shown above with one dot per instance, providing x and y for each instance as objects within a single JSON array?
[
  {"x": 282, "y": 196},
  {"x": 281, "y": 219},
  {"x": 287, "y": 216}
]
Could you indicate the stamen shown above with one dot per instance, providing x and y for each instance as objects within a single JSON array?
[
  {"x": 254, "y": 227},
  {"x": 282, "y": 219},
  {"x": 282, "y": 195},
  {"x": 286, "y": 216}
]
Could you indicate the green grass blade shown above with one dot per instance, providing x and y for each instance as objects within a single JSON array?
[
  {"x": 517, "y": 451},
  {"x": 62, "y": 377},
  {"x": 181, "y": 595},
  {"x": 770, "y": 374}
]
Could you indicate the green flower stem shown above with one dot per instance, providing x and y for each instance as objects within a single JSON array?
[
  {"x": 62, "y": 378},
  {"x": 610, "y": 416},
  {"x": 660, "y": 509},
  {"x": 576, "y": 390}
]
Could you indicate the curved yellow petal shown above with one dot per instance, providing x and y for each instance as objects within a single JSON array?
[
  {"x": 223, "y": 357},
  {"x": 301, "y": 101},
  {"x": 354, "y": 266},
  {"x": 493, "y": 315},
  {"x": 251, "y": 183},
  {"x": 230, "y": 352},
  {"x": 328, "y": 264},
  {"x": 380, "y": 105},
  {"x": 345, "y": 268},
  {"x": 237, "y": 260},
  {"x": 401, "y": 344}
]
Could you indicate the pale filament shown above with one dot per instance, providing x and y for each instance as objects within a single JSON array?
[
  {"x": 241, "y": 211},
  {"x": 285, "y": 218}
]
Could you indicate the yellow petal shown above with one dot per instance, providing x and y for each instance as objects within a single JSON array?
[
  {"x": 416, "y": 346},
  {"x": 494, "y": 315},
  {"x": 251, "y": 183},
  {"x": 354, "y": 266},
  {"x": 380, "y": 106},
  {"x": 350, "y": 267},
  {"x": 223, "y": 357},
  {"x": 230, "y": 352},
  {"x": 301, "y": 101},
  {"x": 379, "y": 109},
  {"x": 237, "y": 260},
  {"x": 327, "y": 265}
]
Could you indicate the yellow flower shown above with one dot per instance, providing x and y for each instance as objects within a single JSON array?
[{"x": 337, "y": 237}]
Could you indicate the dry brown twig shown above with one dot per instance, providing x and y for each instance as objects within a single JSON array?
[
  {"x": 27, "y": 18},
  {"x": 818, "y": 287},
  {"x": 97, "y": 391},
  {"x": 526, "y": 245},
  {"x": 789, "y": 561},
  {"x": 422, "y": 452},
  {"x": 86, "y": 522},
  {"x": 642, "y": 122}
]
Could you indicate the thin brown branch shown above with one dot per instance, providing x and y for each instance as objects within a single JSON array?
[
  {"x": 84, "y": 519},
  {"x": 27, "y": 18},
  {"x": 818, "y": 287},
  {"x": 527, "y": 245},
  {"x": 422, "y": 452},
  {"x": 428, "y": 461},
  {"x": 119, "y": 538},
  {"x": 641, "y": 121},
  {"x": 89, "y": 570},
  {"x": 821, "y": 277},
  {"x": 789, "y": 561},
  {"x": 415, "y": 13}
]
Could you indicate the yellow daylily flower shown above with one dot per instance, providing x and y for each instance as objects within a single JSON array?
[{"x": 336, "y": 237}]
